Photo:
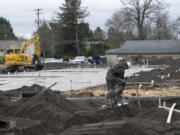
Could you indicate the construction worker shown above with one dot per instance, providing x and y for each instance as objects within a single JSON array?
[{"x": 115, "y": 78}]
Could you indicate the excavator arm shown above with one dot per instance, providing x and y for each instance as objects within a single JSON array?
[{"x": 33, "y": 41}]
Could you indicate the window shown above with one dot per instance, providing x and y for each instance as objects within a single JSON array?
[
  {"x": 9, "y": 51},
  {"x": 17, "y": 51}
]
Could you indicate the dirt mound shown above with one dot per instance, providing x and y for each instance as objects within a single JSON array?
[
  {"x": 154, "y": 60},
  {"x": 108, "y": 128},
  {"x": 56, "y": 115},
  {"x": 41, "y": 129},
  {"x": 125, "y": 120},
  {"x": 4, "y": 103},
  {"x": 26, "y": 90},
  {"x": 3, "y": 97},
  {"x": 48, "y": 107},
  {"x": 161, "y": 76},
  {"x": 100, "y": 115}
]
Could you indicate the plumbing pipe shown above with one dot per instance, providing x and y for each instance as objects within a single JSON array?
[
  {"x": 152, "y": 83},
  {"x": 164, "y": 104},
  {"x": 168, "y": 108},
  {"x": 168, "y": 76},
  {"x": 170, "y": 114},
  {"x": 140, "y": 86},
  {"x": 159, "y": 106}
]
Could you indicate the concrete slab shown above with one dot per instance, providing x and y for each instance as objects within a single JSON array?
[{"x": 67, "y": 79}]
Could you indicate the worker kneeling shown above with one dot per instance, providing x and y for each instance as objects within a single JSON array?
[{"x": 115, "y": 78}]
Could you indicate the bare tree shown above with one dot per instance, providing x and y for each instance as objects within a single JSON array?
[
  {"x": 121, "y": 21},
  {"x": 141, "y": 11},
  {"x": 120, "y": 28},
  {"x": 176, "y": 28}
]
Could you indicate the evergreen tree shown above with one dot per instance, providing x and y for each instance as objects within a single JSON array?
[
  {"x": 6, "y": 30},
  {"x": 46, "y": 40},
  {"x": 98, "y": 34},
  {"x": 70, "y": 33}
]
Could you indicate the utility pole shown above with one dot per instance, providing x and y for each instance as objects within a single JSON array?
[
  {"x": 38, "y": 12},
  {"x": 77, "y": 44}
]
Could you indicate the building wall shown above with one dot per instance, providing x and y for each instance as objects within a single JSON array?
[{"x": 113, "y": 58}]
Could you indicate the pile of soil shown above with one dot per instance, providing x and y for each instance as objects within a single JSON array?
[
  {"x": 47, "y": 107},
  {"x": 125, "y": 120},
  {"x": 108, "y": 128},
  {"x": 51, "y": 114},
  {"x": 5, "y": 103},
  {"x": 28, "y": 127},
  {"x": 95, "y": 116},
  {"x": 157, "y": 75},
  {"x": 25, "y": 90},
  {"x": 3, "y": 97},
  {"x": 154, "y": 60}
]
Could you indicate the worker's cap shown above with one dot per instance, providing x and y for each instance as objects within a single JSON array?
[{"x": 127, "y": 65}]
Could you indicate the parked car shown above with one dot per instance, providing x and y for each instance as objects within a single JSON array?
[
  {"x": 53, "y": 60},
  {"x": 96, "y": 59},
  {"x": 66, "y": 61},
  {"x": 80, "y": 60},
  {"x": 103, "y": 59},
  {"x": 90, "y": 60},
  {"x": 60, "y": 61}
]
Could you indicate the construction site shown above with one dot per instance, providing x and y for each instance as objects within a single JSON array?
[
  {"x": 116, "y": 72},
  {"x": 69, "y": 101}
]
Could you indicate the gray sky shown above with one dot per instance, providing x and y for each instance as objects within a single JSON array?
[{"x": 22, "y": 16}]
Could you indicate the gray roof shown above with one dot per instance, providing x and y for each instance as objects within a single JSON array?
[
  {"x": 148, "y": 47},
  {"x": 7, "y": 43}
]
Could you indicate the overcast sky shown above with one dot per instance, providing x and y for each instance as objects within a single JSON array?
[{"x": 22, "y": 16}]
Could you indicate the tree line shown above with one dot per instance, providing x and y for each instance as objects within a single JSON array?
[{"x": 69, "y": 35}]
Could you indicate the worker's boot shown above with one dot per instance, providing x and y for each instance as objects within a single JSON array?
[
  {"x": 110, "y": 98},
  {"x": 115, "y": 101}
]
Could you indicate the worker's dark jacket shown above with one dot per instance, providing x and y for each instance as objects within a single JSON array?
[{"x": 115, "y": 76}]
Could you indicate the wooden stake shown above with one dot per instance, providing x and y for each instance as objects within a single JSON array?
[
  {"x": 138, "y": 101},
  {"x": 48, "y": 88},
  {"x": 137, "y": 94}
]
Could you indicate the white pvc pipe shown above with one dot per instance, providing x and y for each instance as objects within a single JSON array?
[
  {"x": 164, "y": 104},
  {"x": 159, "y": 103},
  {"x": 170, "y": 114},
  {"x": 167, "y": 108}
]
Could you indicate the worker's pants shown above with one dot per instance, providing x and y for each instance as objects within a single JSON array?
[{"x": 113, "y": 83}]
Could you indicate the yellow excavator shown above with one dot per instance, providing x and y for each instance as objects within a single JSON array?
[{"x": 27, "y": 57}]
